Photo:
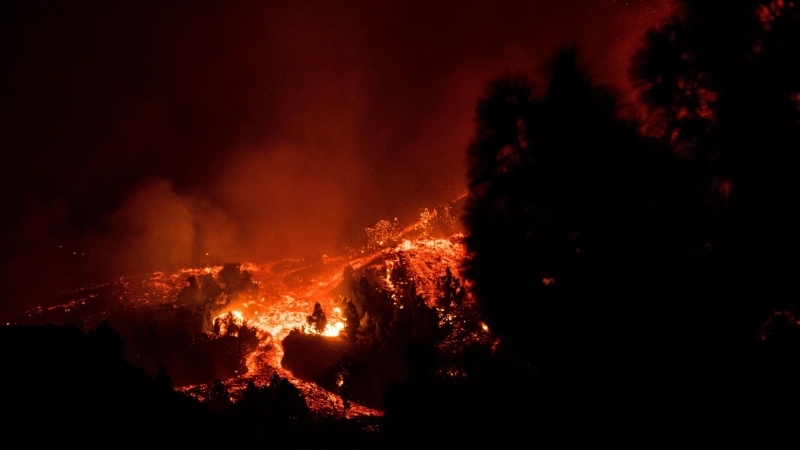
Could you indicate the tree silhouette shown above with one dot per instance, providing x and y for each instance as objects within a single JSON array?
[
  {"x": 351, "y": 321},
  {"x": 451, "y": 291},
  {"x": 317, "y": 320},
  {"x": 600, "y": 253},
  {"x": 219, "y": 399},
  {"x": 742, "y": 140},
  {"x": 108, "y": 340},
  {"x": 289, "y": 402},
  {"x": 552, "y": 182},
  {"x": 236, "y": 281},
  {"x": 163, "y": 380},
  {"x": 500, "y": 138},
  {"x": 227, "y": 325},
  {"x": 583, "y": 236}
]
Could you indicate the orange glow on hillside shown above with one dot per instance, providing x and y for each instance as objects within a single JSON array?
[{"x": 286, "y": 295}]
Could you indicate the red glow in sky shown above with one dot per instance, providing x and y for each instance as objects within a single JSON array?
[{"x": 146, "y": 136}]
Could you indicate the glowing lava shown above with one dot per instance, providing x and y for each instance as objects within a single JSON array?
[{"x": 286, "y": 295}]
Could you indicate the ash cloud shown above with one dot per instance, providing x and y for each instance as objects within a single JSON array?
[{"x": 146, "y": 136}]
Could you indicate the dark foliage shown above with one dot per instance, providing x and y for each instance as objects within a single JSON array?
[
  {"x": 491, "y": 406},
  {"x": 236, "y": 281},
  {"x": 574, "y": 208},
  {"x": 386, "y": 332},
  {"x": 278, "y": 403},
  {"x": 317, "y": 320},
  {"x": 744, "y": 54},
  {"x": 64, "y": 387},
  {"x": 452, "y": 293},
  {"x": 390, "y": 318},
  {"x": 352, "y": 321},
  {"x": 309, "y": 356},
  {"x": 633, "y": 274}
]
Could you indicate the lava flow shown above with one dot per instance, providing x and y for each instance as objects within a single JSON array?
[{"x": 240, "y": 338}]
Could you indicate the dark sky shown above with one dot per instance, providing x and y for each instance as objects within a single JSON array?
[{"x": 141, "y": 136}]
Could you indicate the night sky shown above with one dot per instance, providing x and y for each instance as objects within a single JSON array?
[{"x": 139, "y": 136}]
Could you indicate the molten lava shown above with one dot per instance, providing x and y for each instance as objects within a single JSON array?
[{"x": 286, "y": 293}]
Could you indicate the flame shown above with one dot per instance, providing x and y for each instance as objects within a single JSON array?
[
  {"x": 333, "y": 331},
  {"x": 238, "y": 318}
]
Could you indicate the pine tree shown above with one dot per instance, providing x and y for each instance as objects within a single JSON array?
[
  {"x": 351, "y": 321},
  {"x": 317, "y": 320}
]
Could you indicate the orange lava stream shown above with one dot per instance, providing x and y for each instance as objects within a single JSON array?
[{"x": 287, "y": 292}]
